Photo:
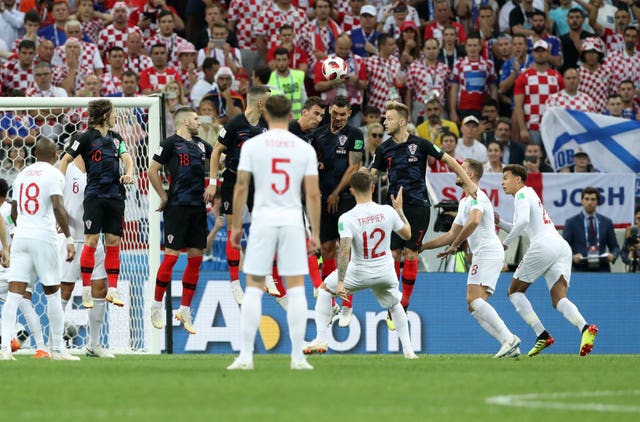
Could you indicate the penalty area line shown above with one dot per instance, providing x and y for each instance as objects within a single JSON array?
[{"x": 551, "y": 401}]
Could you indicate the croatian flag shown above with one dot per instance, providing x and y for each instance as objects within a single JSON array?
[{"x": 612, "y": 143}]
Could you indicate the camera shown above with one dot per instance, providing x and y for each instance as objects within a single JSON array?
[
  {"x": 149, "y": 15},
  {"x": 531, "y": 158},
  {"x": 446, "y": 215}
]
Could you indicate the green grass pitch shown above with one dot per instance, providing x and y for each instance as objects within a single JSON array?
[{"x": 341, "y": 388}]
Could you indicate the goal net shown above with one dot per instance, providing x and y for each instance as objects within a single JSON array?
[{"x": 22, "y": 121}]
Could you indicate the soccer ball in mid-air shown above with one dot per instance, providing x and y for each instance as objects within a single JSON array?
[{"x": 334, "y": 68}]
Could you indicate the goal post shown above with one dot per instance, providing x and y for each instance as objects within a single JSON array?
[{"x": 138, "y": 120}]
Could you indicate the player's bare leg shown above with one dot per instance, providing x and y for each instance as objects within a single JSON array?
[
  {"x": 570, "y": 311},
  {"x": 517, "y": 296},
  {"x": 96, "y": 320}
]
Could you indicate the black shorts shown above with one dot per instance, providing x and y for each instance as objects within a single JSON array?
[
  {"x": 418, "y": 218},
  {"x": 103, "y": 215},
  {"x": 226, "y": 192},
  {"x": 185, "y": 227},
  {"x": 329, "y": 222}
]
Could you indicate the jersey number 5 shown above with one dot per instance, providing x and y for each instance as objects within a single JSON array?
[
  {"x": 276, "y": 168},
  {"x": 377, "y": 235},
  {"x": 28, "y": 198}
]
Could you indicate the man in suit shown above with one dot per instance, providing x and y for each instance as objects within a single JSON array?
[
  {"x": 513, "y": 151},
  {"x": 590, "y": 235}
]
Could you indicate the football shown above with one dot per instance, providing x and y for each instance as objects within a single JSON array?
[{"x": 334, "y": 68}]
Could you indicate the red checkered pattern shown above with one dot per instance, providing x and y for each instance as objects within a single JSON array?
[
  {"x": 356, "y": 67},
  {"x": 89, "y": 56},
  {"x": 422, "y": 79},
  {"x": 137, "y": 64},
  {"x": 49, "y": 93},
  {"x": 245, "y": 14},
  {"x": 474, "y": 79},
  {"x": 578, "y": 102},
  {"x": 598, "y": 85},
  {"x": 151, "y": 79},
  {"x": 349, "y": 22},
  {"x": 624, "y": 66},
  {"x": 92, "y": 28},
  {"x": 271, "y": 18},
  {"x": 309, "y": 41},
  {"x": 16, "y": 43},
  {"x": 382, "y": 74},
  {"x": 613, "y": 40},
  {"x": 110, "y": 84},
  {"x": 112, "y": 36},
  {"x": 59, "y": 73},
  {"x": 13, "y": 76},
  {"x": 173, "y": 44},
  {"x": 298, "y": 58},
  {"x": 536, "y": 87}
]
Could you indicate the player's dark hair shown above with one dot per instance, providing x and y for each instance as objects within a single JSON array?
[
  {"x": 130, "y": 73},
  {"x": 209, "y": 63},
  {"x": 98, "y": 111},
  {"x": 371, "y": 110},
  {"x": 476, "y": 167},
  {"x": 575, "y": 10},
  {"x": 361, "y": 181},
  {"x": 45, "y": 149},
  {"x": 165, "y": 13},
  {"x": 313, "y": 101},
  {"x": 256, "y": 93},
  {"x": 285, "y": 27},
  {"x": 590, "y": 190},
  {"x": 278, "y": 106},
  {"x": 115, "y": 48},
  {"x": 263, "y": 73},
  {"x": 26, "y": 45},
  {"x": 158, "y": 45},
  {"x": 281, "y": 51},
  {"x": 341, "y": 101},
  {"x": 181, "y": 111},
  {"x": 4, "y": 188},
  {"x": 517, "y": 170},
  {"x": 32, "y": 16}
]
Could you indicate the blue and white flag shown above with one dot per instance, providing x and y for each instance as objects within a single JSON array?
[{"x": 612, "y": 143}]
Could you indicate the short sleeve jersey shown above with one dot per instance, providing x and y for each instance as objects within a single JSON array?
[
  {"x": 484, "y": 241},
  {"x": 278, "y": 162},
  {"x": 333, "y": 154},
  {"x": 184, "y": 162},
  {"x": 294, "y": 127},
  {"x": 528, "y": 209},
  {"x": 32, "y": 190},
  {"x": 236, "y": 132},
  {"x": 369, "y": 226},
  {"x": 101, "y": 157},
  {"x": 406, "y": 166},
  {"x": 75, "y": 182}
]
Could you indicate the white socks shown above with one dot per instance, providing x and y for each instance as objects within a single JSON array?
[
  {"x": 297, "y": 321},
  {"x": 64, "y": 305},
  {"x": 250, "y": 313},
  {"x": 570, "y": 312},
  {"x": 96, "y": 319},
  {"x": 401, "y": 323},
  {"x": 323, "y": 313},
  {"x": 9, "y": 315},
  {"x": 489, "y": 319},
  {"x": 56, "y": 321},
  {"x": 525, "y": 310},
  {"x": 33, "y": 321}
]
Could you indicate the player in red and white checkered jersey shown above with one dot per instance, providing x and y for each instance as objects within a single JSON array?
[
  {"x": 116, "y": 33},
  {"x": 473, "y": 79},
  {"x": 111, "y": 80},
  {"x": 570, "y": 98},
  {"x": 167, "y": 36},
  {"x": 153, "y": 79},
  {"x": 271, "y": 17},
  {"x": 596, "y": 79},
  {"x": 383, "y": 71},
  {"x": 625, "y": 64},
  {"x": 318, "y": 37},
  {"x": 349, "y": 14},
  {"x": 243, "y": 16},
  {"x": 18, "y": 73},
  {"x": 531, "y": 91},
  {"x": 426, "y": 76},
  {"x": 89, "y": 56}
]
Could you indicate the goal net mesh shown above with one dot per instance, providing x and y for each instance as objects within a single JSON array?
[{"x": 125, "y": 329}]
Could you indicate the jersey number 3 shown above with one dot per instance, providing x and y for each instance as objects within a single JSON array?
[
  {"x": 276, "y": 169},
  {"x": 377, "y": 236}
]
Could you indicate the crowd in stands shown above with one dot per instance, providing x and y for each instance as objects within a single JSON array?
[{"x": 480, "y": 70}]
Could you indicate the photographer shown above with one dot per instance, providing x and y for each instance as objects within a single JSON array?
[
  {"x": 630, "y": 252},
  {"x": 534, "y": 160}
]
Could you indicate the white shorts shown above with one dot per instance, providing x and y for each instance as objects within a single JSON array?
[
  {"x": 31, "y": 255},
  {"x": 550, "y": 256},
  {"x": 485, "y": 272},
  {"x": 288, "y": 242},
  {"x": 70, "y": 271},
  {"x": 383, "y": 284}
]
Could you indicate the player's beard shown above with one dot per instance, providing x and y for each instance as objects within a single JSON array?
[{"x": 193, "y": 130}]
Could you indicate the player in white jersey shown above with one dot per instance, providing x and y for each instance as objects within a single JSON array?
[
  {"x": 37, "y": 207},
  {"x": 365, "y": 235},
  {"x": 93, "y": 295},
  {"x": 548, "y": 254},
  {"x": 26, "y": 306},
  {"x": 475, "y": 224},
  {"x": 281, "y": 164}
]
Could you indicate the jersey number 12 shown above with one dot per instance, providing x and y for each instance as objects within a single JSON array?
[{"x": 377, "y": 235}]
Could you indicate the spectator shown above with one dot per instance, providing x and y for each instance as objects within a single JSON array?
[
  {"x": 494, "y": 154},
  {"x": 572, "y": 41},
  {"x": 434, "y": 126},
  {"x": 630, "y": 252},
  {"x": 318, "y": 37},
  {"x": 89, "y": 53},
  {"x": 581, "y": 163},
  {"x": 55, "y": 32},
  {"x": 147, "y": 17},
  {"x": 44, "y": 52},
  {"x": 596, "y": 79},
  {"x": 534, "y": 159},
  {"x": 570, "y": 98},
  {"x": 228, "y": 102},
  {"x": 348, "y": 19},
  {"x": 512, "y": 68},
  {"x": 72, "y": 74},
  {"x": 470, "y": 147},
  {"x": 242, "y": 17},
  {"x": 187, "y": 69},
  {"x": 409, "y": 44},
  {"x": 174, "y": 99},
  {"x": 209, "y": 123},
  {"x": 269, "y": 20},
  {"x": 136, "y": 59},
  {"x": 289, "y": 81},
  {"x": 112, "y": 80},
  {"x": 31, "y": 26},
  {"x": 449, "y": 144},
  {"x": 207, "y": 82},
  {"x": 375, "y": 134},
  {"x": 166, "y": 35},
  {"x": 11, "y": 21},
  {"x": 512, "y": 152},
  {"x": 92, "y": 87},
  {"x": 531, "y": 90},
  {"x": 129, "y": 86},
  {"x": 298, "y": 58},
  {"x": 560, "y": 16},
  {"x": 539, "y": 32},
  {"x": 441, "y": 20},
  {"x": 92, "y": 20},
  {"x": 154, "y": 78},
  {"x": 17, "y": 128},
  {"x": 215, "y": 15},
  {"x": 520, "y": 18},
  {"x": 609, "y": 23},
  {"x": 488, "y": 121},
  {"x": 630, "y": 108},
  {"x": 614, "y": 106},
  {"x": 451, "y": 49},
  {"x": 219, "y": 48},
  {"x": 383, "y": 71},
  {"x": 18, "y": 74},
  {"x": 502, "y": 51},
  {"x": 590, "y": 235},
  {"x": 365, "y": 36},
  {"x": 116, "y": 34},
  {"x": 369, "y": 115},
  {"x": 625, "y": 64},
  {"x": 392, "y": 21}
]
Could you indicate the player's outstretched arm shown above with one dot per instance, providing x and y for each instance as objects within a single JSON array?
[
  {"x": 240, "y": 193},
  {"x": 469, "y": 187},
  {"x": 64, "y": 162},
  {"x": 474, "y": 220},
  {"x": 443, "y": 239},
  {"x": 156, "y": 183},
  {"x": 62, "y": 218},
  {"x": 127, "y": 177},
  {"x": 214, "y": 166},
  {"x": 313, "y": 201}
]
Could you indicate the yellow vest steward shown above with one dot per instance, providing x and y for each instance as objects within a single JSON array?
[{"x": 292, "y": 86}]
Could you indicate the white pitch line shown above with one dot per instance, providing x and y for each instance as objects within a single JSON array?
[{"x": 549, "y": 401}]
